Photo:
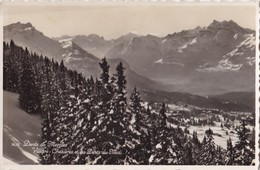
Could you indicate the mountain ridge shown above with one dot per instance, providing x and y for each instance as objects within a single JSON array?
[
  {"x": 222, "y": 51},
  {"x": 96, "y": 44},
  {"x": 218, "y": 57},
  {"x": 74, "y": 57}
]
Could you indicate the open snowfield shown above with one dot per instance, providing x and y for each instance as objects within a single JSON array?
[
  {"x": 19, "y": 126},
  {"x": 220, "y": 136}
]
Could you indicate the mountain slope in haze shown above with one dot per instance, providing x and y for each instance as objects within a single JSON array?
[
  {"x": 28, "y": 36},
  {"x": 246, "y": 98},
  {"x": 133, "y": 79},
  {"x": 124, "y": 38},
  {"x": 195, "y": 100},
  {"x": 18, "y": 127},
  {"x": 76, "y": 58},
  {"x": 139, "y": 52},
  {"x": 220, "y": 57}
]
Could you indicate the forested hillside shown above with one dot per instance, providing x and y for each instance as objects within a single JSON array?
[{"x": 91, "y": 121}]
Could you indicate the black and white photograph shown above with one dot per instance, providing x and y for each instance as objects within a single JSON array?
[{"x": 130, "y": 85}]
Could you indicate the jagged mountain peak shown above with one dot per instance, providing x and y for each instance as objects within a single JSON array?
[
  {"x": 187, "y": 33},
  {"x": 95, "y": 37},
  {"x": 224, "y": 23},
  {"x": 90, "y": 37},
  {"x": 228, "y": 25},
  {"x": 18, "y": 26},
  {"x": 151, "y": 36},
  {"x": 129, "y": 35}
]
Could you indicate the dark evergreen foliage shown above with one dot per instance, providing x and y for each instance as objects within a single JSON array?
[{"x": 29, "y": 97}]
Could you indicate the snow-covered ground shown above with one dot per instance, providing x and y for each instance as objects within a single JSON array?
[
  {"x": 7, "y": 161},
  {"x": 19, "y": 126},
  {"x": 220, "y": 136}
]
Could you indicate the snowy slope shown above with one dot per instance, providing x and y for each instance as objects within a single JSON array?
[
  {"x": 19, "y": 126},
  {"x": 92, "y": 43},
  {"x": 8, "y": 161},
  {"x": 26, "y": 35}
]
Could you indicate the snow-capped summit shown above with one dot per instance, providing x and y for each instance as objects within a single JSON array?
[
  {"x": 95, "y": 37},
  {"x": 93, "y": 43},
  {"x": 20, "y": 27},
  {"x": 73, "y": 52},
  {"x": 65, "y": 43}
]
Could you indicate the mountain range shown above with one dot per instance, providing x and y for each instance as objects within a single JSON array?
[
  {"x": 216, "y": 59},
  {"x": 96, "y": 44}
]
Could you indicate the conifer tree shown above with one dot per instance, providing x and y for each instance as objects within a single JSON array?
[
  {"x": 49, "y": 112},
  {"x": 137, "y": 138},
  {"x": 119, "y": 115},
  {"x": 230, "y": 153},
  {"x": 85, "y": 127},
  {"x": 244, "y": 154},
  {"x": 188, "y": 159},
  {"x": 105, "y": 138},
  {"x": 11, "y": 68},
  {"x": 136, "y": 109},
  {"x": 208, "y": 150},
  {"x": 219, "y": 156},
  {"x": 196, "y": 147},
  {"x": 164, "y": 151},
  {"x": 104, "y": 93},
  {"x": 29, "y": 97}
]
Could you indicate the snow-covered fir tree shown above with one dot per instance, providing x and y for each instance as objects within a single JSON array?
[
  {"x": 208, "y": 150},
  {"x": 230, "y": 153},
  {"x": 164, "y": 145},
  {"x": 49, "y": 112},
  {"x": 196, "y": 147},
  {"x": 29, "y": 97},
  {"x": 243, "y": 151},
  {"x": 120, "y": 118},
  {"x": 137, "y": 138}
]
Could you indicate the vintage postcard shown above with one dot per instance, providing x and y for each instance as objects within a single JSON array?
[{"x": 143, "y": 85}]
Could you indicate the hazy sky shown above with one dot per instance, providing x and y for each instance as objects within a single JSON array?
[{"x": 111, "y": 22}]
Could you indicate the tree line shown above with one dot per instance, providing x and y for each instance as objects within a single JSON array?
[{"x": 95, "y": 114}]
